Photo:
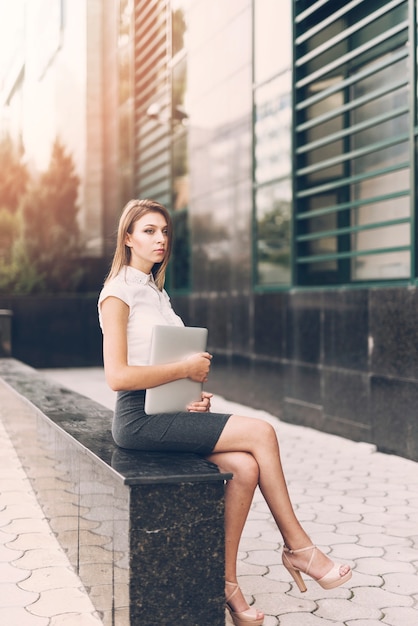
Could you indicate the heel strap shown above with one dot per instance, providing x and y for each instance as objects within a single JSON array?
[
  {"x": 286, "y": 549},
  {"x": 313, "y": 548},
  {"x": 231, "y": 595}
]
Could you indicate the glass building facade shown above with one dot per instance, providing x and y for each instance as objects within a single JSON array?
[
  {"x": 285, "y": 126},
  {"x": 281, "y": 135}
]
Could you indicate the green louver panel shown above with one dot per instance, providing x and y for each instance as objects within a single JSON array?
[{"x": 352, "y": 142}]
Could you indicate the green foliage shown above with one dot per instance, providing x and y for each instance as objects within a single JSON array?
[
  {"x": 9, "y": 230},
  {"x": 44, "y": 252},
  {"x": 274, "y": 234}
]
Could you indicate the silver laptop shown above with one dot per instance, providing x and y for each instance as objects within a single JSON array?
[{"x": 170, "y": 344}]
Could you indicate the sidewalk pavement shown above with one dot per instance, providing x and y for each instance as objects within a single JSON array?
[{"x": 361, "y": 506}]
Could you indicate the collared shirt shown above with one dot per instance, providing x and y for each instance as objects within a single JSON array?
[{"x": 148, "y": 307}]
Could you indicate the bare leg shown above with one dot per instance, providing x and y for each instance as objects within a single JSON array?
[
  {"x": 259, "y": 439},
  {"x": 239, "y": 494}
]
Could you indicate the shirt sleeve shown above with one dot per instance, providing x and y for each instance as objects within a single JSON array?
[{"x": 117, "y": 290}]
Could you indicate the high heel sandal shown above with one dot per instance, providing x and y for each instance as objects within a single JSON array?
[
  {"x": 245, "y": 618},
  {"x": 331, "y": 579}
]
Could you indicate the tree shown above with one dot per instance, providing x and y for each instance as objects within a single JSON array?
[
  {"x": 14, "y": 175},
  {"x": 48, "y": 249}
]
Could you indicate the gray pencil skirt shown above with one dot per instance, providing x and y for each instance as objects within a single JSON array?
[{"x": 170, "y": 432}]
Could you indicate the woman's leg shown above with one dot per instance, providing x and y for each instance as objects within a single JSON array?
[
  {"x": 259, "y": 439},
  {"x": 239, "y": 494}
]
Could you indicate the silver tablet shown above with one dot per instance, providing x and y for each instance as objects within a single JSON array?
[{"x": 170, "y": 344}]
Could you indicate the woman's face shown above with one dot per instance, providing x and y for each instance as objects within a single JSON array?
[{"x": 148, "y": 241}]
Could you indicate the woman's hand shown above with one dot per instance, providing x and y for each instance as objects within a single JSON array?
[
  {"x": 198, "y": 366},
  {"x": 201, "y": 406}
]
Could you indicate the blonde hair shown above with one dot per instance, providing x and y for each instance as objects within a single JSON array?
[{"x": 132, "y": 212}]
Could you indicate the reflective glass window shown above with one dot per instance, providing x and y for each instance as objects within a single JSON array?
[
  {"x": 273, "y": 234},
  {"x": 352, "y": 144},
  {"x": 272, "y": 141},
  {"x": 180, "y": 180},
  {"x": 272, "y": 38}
]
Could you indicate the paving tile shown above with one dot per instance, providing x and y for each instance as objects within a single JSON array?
[
  {"x": 18, "y": 616},
  {"x": 354, "y": 551},
  {"x": 382, "y": 566},
  {"x": 344, "y": 610},
  {"x": 11, "y": 574},
  {"x": 26, "y": 510},
  {"x": 348, "y": 484},
  {"x": 315, "y": 592},
  {"x": 403, "y": 584},
  {"x": 338, "y": 517},
  {"x": 281, "y": 604},
  {"x": 263, "y": 557},
  {"x": 34, "y": 559},
  {"x": 372, "y": 597},
  {"x": 305, "y": 512},
  {"x": 352, "y": 505},
  {"x": 401, "y": 616},
  {"x": 15, "y": 483},
  {"x": 12, "y": 596},
  {"x": 7, "y": 555},
  {"x": 365, "y": 580},
  {"x": 8, "y": 451},
  {"x": 61, "y": 601},
  {"x": 16, "y": 497},
  {"x": 269, "y": 620},
  {"x": 380, "y": 539},
  {"x": 259, "y": 586},
  {"x": 315, "y": 528},
  {"x": 280, "y": 576},
  {"x": 250, "y": 569},
  {"x": 406, "y": 528},
  {"x": 75, "y": 619},
  {"x": 304, "y": 499},
  {"x": 384, "y": 518},
  {"x": 401, "y": 553},
  {"x": 249, "y": 543},
  {"x": 324, "y": 539},
  {"x": 306, "y": 619},
  {"x": 27, "y": 541},
  {"x": 53, "y": 577},
  {"x": 359, "y": 528},
  {"x": 252, "y": 529},
  {"x": 388, "y": 501},
  {"x": 365, "y": 622},
  {"x": 19, "y": 526}
]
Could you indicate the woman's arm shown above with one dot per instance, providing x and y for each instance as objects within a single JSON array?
[{"x": 123, "y": 377}]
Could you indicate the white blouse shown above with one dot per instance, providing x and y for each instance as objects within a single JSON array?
[{"x": 148, "y": 307}]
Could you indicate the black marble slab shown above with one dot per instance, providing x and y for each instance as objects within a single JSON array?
[
  {"x": 346, "y": 329},
  {"x": 394, "y": 332},
  {"x": 394, "y": 419},
  {"x": 303, "y": 327}
]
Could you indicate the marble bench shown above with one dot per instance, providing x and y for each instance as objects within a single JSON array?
[{"x": 144, "y": 531}]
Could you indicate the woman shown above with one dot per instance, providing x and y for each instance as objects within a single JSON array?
[{"x": 131, "y": 302}]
